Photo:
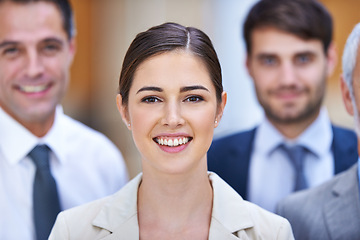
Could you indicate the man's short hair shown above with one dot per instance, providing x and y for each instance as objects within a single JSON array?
[
  {"x": 65, "y": 9},
  {"x": 307, "y": 19}
]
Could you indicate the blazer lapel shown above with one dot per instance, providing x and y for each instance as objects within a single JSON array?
[
  {"x": 218, "y": 231},
  {"x": 126, "y": 231},
  {"x": 344, "y": 199},
  {"x": 229, "y": 215},
  {"x": 119, "y": 216}
]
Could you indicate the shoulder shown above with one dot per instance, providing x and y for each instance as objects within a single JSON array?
[
  {"x": 237, "y": 140},
  {"x": 100, "y": 217},
  {"x": 242, "y": 136},
  {"x": 301, "y": 204},
  {"x": 340, "y": 132},
  {"x": 78, "y": 134},
  {"x": 75, "y": 127},
  {"x": 77, "y": 221}
]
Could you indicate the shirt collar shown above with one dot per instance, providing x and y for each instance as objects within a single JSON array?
[
  {"x": 265, "y": 131},
  {"x": 16, "y": 141},
  {"x": 56, "y": 138},
  {"x": 317, "y": 137}
]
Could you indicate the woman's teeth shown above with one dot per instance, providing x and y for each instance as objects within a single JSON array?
[{"x": 172, "y": 142}]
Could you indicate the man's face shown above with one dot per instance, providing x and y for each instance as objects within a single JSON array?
[
  {"x": 35, "y": 56},
  {"x": 352, "y": 99},
  {"x": 289, "y": 74}
]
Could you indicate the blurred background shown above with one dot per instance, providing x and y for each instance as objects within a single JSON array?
[{"x": 106, "y": 28}]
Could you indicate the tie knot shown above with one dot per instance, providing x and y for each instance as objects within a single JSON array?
[
  {"x": 40, "y": 156},
  {"x": 296, "y": 154}
]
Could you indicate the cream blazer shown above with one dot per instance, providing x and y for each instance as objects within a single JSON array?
[{"x": 115, "y": 217}]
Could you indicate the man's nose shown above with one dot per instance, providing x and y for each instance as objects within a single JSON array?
[
  {"x": 35, "y": 66},
  {"x": 287, "y": 75}
]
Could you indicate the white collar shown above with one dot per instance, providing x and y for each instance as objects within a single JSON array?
[
  {"x": 16, "y": 141},
  {"x": 317, "y": 137}
]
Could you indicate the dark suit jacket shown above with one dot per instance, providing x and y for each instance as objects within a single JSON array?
[
  {"x": 329, "y": 211},
  {"x": 230, "y": 156}
]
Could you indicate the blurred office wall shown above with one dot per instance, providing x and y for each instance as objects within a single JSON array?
[{"x": 107, "y": 27}]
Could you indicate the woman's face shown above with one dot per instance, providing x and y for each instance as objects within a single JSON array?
[{"x": 172, "y": 112}]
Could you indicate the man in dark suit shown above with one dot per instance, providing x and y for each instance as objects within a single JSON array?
[
  {"x": 332, "y": 210},
  {"x": 290, "y": 55}
]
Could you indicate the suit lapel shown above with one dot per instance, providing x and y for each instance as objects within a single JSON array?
[
  {"x": 244, "y": 161},
  {"x": 344, "y": 199},
  {"x": 237, "y": 167}
]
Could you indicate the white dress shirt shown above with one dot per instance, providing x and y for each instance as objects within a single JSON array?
[
  {"x": 85, "y": 164},
  {"x": 272, "y": 175}
]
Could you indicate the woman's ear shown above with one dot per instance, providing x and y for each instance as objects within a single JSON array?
[
  {"x": 123, "y": 111},
  {"x": 346, "y": 96},
  {"x": 221, "y": 108}
]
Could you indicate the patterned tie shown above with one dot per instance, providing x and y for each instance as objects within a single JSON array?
[
  {"x": 296, "y": 154},
  {"x": 46, "y": 204}
]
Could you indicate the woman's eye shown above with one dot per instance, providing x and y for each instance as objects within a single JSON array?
[
  {"x": 150, "y": 99},
  {"x": 194, "y": 99}
]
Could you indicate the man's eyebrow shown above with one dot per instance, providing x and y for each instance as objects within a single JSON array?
[
  {"x": 195, "y": 87},
  {"x": 308, "y": 52},
  {"x": 46, "y": 40},
  {"x": 150, "y": 88},
  {"x": 52, "y": 39},
  {"x": 7, "y": 43},
  {"x": 265, "y": 55}
]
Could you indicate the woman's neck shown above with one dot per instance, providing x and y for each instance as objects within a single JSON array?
[{"x": 171, "y": 206}]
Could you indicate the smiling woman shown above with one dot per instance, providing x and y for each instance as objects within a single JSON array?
[{"x": 171, "y": 99}]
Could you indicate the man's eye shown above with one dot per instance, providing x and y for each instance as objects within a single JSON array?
[
  {"x": 150, "y": 99},
  {"x": 303, "y": 59},
  {"x": 194, "y": 99},
  {"x": 51, "y": 48},
  {"x": 11, "y": 52},
  {"x": 269, "y": 61}
]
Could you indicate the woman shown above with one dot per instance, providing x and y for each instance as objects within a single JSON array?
[{"x": 171, "y": 98}]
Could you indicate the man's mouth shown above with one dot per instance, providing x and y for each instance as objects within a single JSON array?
[
  {"x": 173, "y": 141},
  {"x": 33, "y": 89}
]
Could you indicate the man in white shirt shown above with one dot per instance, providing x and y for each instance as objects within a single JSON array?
[
  {"x": 290, "y": 55},
  {"x": 36, "y": 51}
]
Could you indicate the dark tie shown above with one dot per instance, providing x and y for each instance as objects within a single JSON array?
[
  {"x": 46, "y": 204},
  {"x": 296, "y": 155}
]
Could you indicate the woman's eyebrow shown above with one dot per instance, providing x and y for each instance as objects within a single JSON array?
[
  {"x": 150, "y": 88},
  {"x": 195, "y": 87},
  {"x": 183, "y": 89}
]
